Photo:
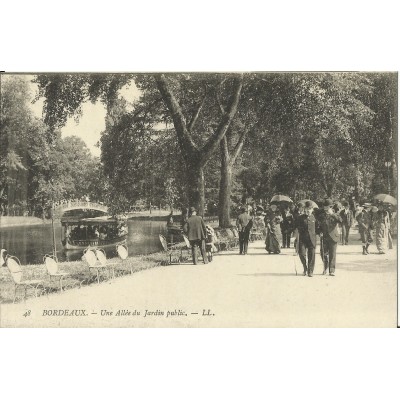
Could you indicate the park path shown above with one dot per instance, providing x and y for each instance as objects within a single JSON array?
[{"x": 256, "y": 290}]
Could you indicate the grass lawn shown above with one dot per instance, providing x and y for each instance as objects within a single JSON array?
[{"x": 78, "y": 275}]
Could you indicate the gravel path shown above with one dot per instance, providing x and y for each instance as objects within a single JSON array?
[{"x": 257, "y": 290}]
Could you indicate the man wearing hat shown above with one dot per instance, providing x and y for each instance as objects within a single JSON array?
[
  {"x": 195, "y": 229},
  {"x": 305, "y": 225},
  {"x": 244, "y": 223},
  {"x": 347, "y": 222},
  {"x": 328, "y": 228},
  {"x": 364, "y": 227}
]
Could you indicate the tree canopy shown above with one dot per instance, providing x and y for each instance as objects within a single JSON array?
[
  {"x": 39, "y": 166},
  {"x": 193, "y": 138}
]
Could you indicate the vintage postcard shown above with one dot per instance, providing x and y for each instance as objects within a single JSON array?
[{"x": 193, "y": 200}]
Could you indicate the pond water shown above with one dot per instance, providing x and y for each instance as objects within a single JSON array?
[{"x": 31, "y": 243}]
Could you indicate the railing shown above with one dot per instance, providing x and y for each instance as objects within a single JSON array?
[
  {"x": 85, "y": 243},
  {"x": 211, "y": 218},
  {"x": 76, "y": 205},
  {"x": 95, "y": 242}
]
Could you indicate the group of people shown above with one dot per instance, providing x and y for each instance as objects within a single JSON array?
[
  {"x": 376, "y": 220},
  {"x": 306, "y": 221},
  {"x": 91, "y": 232}
]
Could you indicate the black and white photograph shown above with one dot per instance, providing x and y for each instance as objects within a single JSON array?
[{"x": 199, "y": 199}]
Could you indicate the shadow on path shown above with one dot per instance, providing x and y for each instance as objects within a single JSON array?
[
  {"x": 253, "y": 254},
  {"x": 291, "y": 274},
  {"x": 372, "y": 265}
]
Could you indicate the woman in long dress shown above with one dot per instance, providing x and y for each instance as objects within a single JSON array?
[
  {"x": 382, "y": 225},
  {"x": 272, "y": 222}
]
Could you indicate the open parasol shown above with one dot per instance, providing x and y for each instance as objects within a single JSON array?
[
  {"x": 386, "y": 198},
  {"x": 314, "y": 204},
  {"x": 280, "y": 198}
]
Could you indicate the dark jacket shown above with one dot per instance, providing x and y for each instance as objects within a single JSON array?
[
  {"x": 305, "y": 224},
  {"x": 347, "y": 219},
  {"x": 328, "y": 225},
  {"x": 287, "y": 222},
  {"x": 364, "y": 221},
  {"x": 243, "y": 221},
  {"x": 195, "y": 228}
]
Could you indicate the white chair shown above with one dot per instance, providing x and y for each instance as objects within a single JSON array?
[
  {"x": 172, "y": 252},
  {"x": 122, "y": 252},
  {"x": 14, "y": 266},
  {"x": 102, "y": 258},
  {"x": 188, "y": 249},
  {"x": 53, "y": 270},
  {"x": 89, "y": 255}
]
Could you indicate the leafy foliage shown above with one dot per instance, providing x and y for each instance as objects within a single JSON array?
[
  {"x": 305, "y": 134},
  {"x": 38, "y": 167}
]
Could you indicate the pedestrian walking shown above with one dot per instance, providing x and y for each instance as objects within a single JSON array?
[
  {"x": 287, "y": 227},
  {"x": 272, "y": 222},
  {"x": 195, "y": 229},
  {"x": 305, "y": 225},
  {"x": 244, "y": 223},
  {"x": 381, "y": 224},
  {"x": 328, "y": 229},
  {"x": 298, "y": 210},
  {"x": 364, "y": 227},
  {"x": 390, "y": 230},
  {"x": 347, "y": 222}
]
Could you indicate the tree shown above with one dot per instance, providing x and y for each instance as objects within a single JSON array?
[
  {"x": 23, "y": 138},
  {"x": 312, "y": 142},
  {"x": 304, "y": 134},
  {"x": 64, "y": 95},
  {"x": 65, "y": 169},
  {"x": 196, "y": 157}
]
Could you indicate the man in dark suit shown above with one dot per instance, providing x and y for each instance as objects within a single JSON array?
[
  {"x": 287, "y": 227},
  {"x": 195, "y": 228},
  {"x": 328, "y": 228},
  {"x": 244, "y": 223},
  {"x": 347, "y": 221},
  {"x": 305, "y": 225}
]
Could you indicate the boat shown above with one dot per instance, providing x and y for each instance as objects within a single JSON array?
[{"x": 79, "y": 233}]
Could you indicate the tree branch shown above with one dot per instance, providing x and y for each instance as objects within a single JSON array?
[
  {"x": 185, "y": 140},
  {"x": 197, "y": 113},
  {"x": 224, "y": 149},
  {"x": 212, "y": 143},
  {"x": 238, "y": 147},
  {"x": 221, "y": 107}
]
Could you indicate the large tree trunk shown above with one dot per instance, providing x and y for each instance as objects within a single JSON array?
[
  {"x": 195, "y": 187},
  {"x": 225, "y": 187},
  {"x": 196, "y": 158}
]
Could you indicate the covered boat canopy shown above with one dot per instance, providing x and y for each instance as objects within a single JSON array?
[
  {"x": 101, "y": 221},
  {"x": 104, "y": 220}
]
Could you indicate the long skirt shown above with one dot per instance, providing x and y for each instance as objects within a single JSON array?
[
  {"x": 272, "y": 241},
  {"x": 381, "y": 237}
]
